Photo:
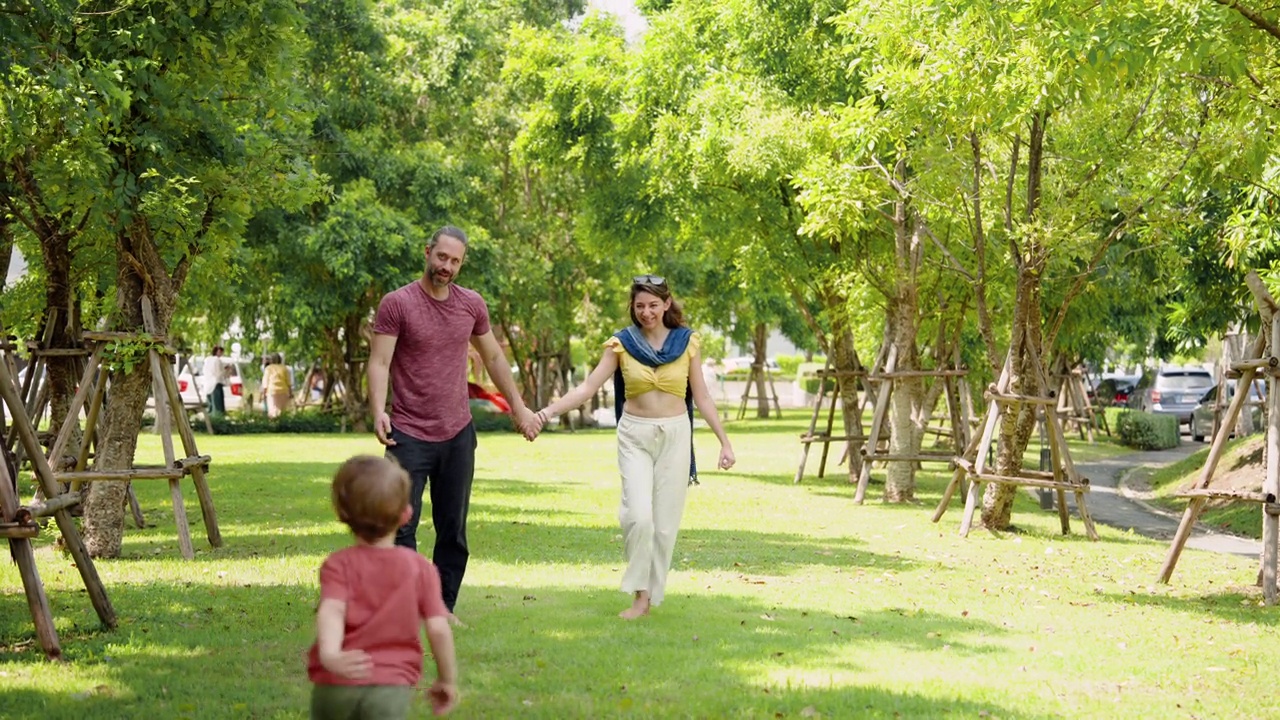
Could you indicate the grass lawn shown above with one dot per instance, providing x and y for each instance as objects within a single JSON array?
[
  {"x": 786, "y": 601},
  {"x": 1242, "y": 467}
]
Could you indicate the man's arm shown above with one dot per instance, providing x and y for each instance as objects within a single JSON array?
[
  {"x": 495, "y": 361},
  {"x": 380, "y": 351}
]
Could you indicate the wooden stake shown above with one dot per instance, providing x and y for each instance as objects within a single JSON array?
[
  {"x": 166, "y": 439},
  {"x": 66, "y": 524}
]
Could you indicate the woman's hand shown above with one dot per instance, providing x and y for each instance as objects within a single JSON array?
[{"x": 726, "y": 457}]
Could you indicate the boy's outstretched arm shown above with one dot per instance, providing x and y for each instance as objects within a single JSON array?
[
  {"x": 330, "y": 628},
  {"x": 443, "y": 693}
]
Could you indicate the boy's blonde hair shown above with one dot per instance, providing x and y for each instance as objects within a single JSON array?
[{"x": 370, "y": 494}]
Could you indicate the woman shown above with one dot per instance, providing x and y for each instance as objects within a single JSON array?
[
  {"x": 656, "y": 364},
  {"x": 276, "y": 386}
]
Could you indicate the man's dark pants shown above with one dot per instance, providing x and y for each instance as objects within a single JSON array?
[
  {"x": 217, "y": 401},
  {"x": 446, "y": 468}
]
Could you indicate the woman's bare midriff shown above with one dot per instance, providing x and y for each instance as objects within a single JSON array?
[{"x": 655, "y": 404}]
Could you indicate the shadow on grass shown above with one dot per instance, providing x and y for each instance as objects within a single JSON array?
[
  {"x": 515, "y": 536},
  {"x": 1239, "y": 604},
  {"x": 700, "y": 656},
  {"x": 193, "y": 651},
  {"x": 202, "y": 651}
]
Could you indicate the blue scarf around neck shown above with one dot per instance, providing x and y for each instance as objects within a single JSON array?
[{"x": 672, "y": 348}]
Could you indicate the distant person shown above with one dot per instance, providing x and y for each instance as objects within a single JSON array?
[
  {"x": 657, "y": 370},
  {"x": 213, "y": 377},
  {"x": 421, "y": 333},
  {"x": 276, "y": 386},
  {"x": 375, "y": 600},
  {"x": 315, "y": 384}
]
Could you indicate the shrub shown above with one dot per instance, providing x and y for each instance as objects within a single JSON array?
[
  {"x": 1147, "y": 431},
  {"x": 305, "y": 421},
  {"x": 319, "y": 421},
  {"x": 811, "y": 384},
  {"x": 491, "y": 422}
]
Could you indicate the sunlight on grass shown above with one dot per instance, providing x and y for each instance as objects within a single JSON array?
[{"x": 785, "y": 601}]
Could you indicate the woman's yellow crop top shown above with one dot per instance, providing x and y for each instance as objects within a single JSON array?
[{"x": 640, "y": 378}]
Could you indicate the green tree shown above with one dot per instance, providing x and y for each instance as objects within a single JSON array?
[{"x": 171, "y": 130}]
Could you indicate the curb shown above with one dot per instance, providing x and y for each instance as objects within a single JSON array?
[{"x": 1128, "y": 493}]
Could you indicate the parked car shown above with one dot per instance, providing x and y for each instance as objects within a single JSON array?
[
  {"x": 1204, "y": 415},
  {"x": 1114, "y": 390},
  {"x": 232, "y": 392},
  {"x": 1172, "y": 391}
]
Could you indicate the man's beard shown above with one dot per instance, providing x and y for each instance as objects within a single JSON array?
[{"x": 437, "y": 282}]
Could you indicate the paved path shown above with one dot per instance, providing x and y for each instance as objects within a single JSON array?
[{"x": 1110, "y": 506}]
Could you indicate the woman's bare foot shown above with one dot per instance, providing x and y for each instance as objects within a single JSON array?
[
  {"x": 639, "y": 607},
  {"x": 454, "y": 621}
]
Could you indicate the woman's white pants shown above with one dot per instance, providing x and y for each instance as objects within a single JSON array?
[{"x": 653, "y": 458}]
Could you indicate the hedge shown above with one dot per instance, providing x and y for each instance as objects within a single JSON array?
[
  {"x": 313, "y": 421},
  {"x": 1147, "y": 431},
  {"x": 811, "y": 384}
]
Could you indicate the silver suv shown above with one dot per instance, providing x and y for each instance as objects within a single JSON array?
[{"x": 1173, "y": 391}]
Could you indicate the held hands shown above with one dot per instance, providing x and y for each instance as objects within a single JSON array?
[
  {"x": 353, "y": 664},
  {"x": 527, "y": 423},
  {"x": 443, "y": 697}
]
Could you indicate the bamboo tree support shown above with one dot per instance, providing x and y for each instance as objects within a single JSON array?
[
  {"x": 836, "y": 379},
  {"x": 167, "y": 399},
  {"x": 759, "y": 372},
  {"x": 1074, "y": 408},
  {"x": 1263, "y": 359},
  {"x": 35, "y": 394},
  {"x": 885, "y": 380},
  {"x": 34, "y": 389},
  {"x": 18, "y": 526},
  {"x": 959, "y": 406},
  {"x": 973, "y": 464}
]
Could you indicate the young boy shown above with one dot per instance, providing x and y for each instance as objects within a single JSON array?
[{"x": 374, "y": 596}]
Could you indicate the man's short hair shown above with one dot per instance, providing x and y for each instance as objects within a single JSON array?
[{"x": 448, "y": 231}]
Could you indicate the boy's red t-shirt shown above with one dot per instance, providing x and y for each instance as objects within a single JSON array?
[{"x": 389, "y": 591}]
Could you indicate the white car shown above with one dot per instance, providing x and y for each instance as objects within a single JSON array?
[{"x": 193, "y": 394}]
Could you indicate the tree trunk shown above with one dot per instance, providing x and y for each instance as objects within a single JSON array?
[
  {"x": 140, "y": 271},
  {"x": 354, "y": 357},
  {"x": 844, "y": 358},
  {"x": 6, "y": 249},
  {"x": 905, "y": 431},
  {"x": 1017, "y": 426},
  {"x": 759, "y": 348},
  {"x": 62, "y": 312}
]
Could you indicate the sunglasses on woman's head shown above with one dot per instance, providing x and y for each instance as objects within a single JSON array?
[{"x": 654, "y": 280}]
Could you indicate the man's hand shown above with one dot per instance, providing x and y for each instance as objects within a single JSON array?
[
  {"x": 443, "y": 697},
  {"x": 382, "y": 428},
  {"x": 353, "y": 664}
]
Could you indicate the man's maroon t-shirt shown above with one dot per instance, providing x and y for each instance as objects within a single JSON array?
[
  {"x": 429, "y": 366},
  {"x": 389, "y": 591}
]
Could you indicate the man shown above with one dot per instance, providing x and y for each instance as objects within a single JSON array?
[
  {"x": 213, "y": 373},
  {"x": 421, "y": 333}
]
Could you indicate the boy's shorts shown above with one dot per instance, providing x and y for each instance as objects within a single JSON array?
[{"x": 360, "y": 702}]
